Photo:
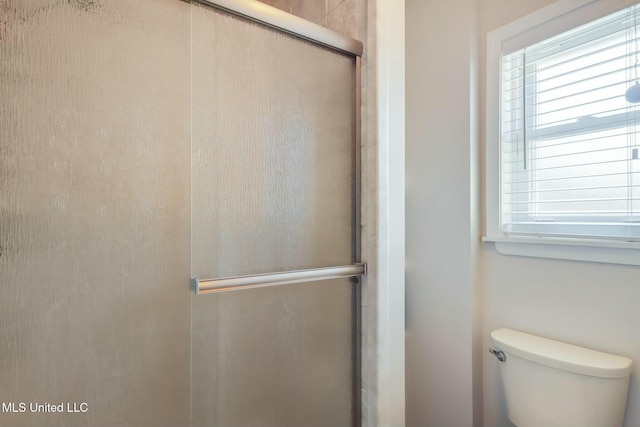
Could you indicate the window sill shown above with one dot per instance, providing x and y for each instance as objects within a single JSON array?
[{"x": 610, "y": 252}]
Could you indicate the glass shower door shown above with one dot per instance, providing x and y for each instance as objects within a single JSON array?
[
  {"x": 94, "y": 213},
  {"x": 273, "y": 189}
]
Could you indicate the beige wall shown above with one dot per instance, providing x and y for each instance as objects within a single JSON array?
[
  {"x": 441, "y": 211},
  {"x": 589, "y": 304}
]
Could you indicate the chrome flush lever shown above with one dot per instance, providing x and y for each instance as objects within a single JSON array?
[{"x": 499, "y": 354}]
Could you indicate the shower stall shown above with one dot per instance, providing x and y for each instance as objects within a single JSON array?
[{"x": 179, "y": 216}]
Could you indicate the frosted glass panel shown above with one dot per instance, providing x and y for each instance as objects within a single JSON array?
[
  {"x": 273, "y": 142},
  {"x": 272, "y": 190},
  {"x": 273, "y": 357},
  {"x": 94, "y": 211}
]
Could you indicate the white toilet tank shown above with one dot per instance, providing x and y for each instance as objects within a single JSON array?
[{"x": 548, "y": 383}]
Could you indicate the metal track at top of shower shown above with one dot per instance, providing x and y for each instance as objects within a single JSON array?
[{"x": 283, "y": 21}]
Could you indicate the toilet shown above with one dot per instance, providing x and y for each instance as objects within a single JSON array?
[{"x": 549, "y": 383}]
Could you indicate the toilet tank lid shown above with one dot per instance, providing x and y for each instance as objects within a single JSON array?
[{"x": 561, "y": 355}]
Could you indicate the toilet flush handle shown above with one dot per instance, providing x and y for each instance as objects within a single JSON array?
[{"x": 499, "y": 354}]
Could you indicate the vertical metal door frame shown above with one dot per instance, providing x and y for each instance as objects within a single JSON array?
[{"x": 357, "y": 255}]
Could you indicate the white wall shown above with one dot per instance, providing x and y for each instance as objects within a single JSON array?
[
  {"x": 594, "y": 305},
  {"x": 441, "y": 239}
]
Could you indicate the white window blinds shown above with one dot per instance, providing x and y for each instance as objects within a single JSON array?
[{"x": 569, "y": 138}]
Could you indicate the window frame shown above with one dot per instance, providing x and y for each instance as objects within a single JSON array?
[{"x": 542, "y": 24}]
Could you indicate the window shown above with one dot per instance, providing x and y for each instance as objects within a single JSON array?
[{"x": 567, "y": 139}]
